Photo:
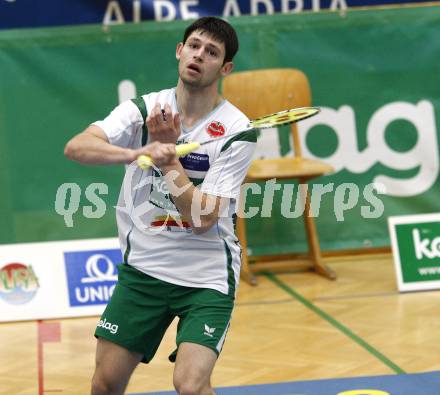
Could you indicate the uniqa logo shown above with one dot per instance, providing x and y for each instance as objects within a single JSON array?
[
  {"x": 94, "y": 272},
  {"x": 424, "y": 247},
  {"x": 100, "y": 269},
  {"x": 18, "y": 283}
]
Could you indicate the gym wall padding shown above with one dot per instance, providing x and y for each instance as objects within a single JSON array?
[{"x": 367, "y": 69}]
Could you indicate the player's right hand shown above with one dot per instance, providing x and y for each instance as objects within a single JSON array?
[{"x": 161, "y": 154}]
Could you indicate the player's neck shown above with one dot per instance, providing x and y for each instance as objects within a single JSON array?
[{"x": 195, "y": 104}]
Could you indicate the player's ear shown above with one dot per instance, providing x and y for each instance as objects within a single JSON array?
[
  {"x": 179, "y": 50},
  {"x": 227, "y": 68}
]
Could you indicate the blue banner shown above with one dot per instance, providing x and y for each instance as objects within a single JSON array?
[
  {"x": 40, "y": 13},
  {"x": 401, "y": 384}
]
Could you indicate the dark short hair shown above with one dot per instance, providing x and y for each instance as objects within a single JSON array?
[{"x": 220, "y": 30}]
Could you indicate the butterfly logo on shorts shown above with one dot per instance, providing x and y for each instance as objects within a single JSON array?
[{"x": 209, "y": 331}]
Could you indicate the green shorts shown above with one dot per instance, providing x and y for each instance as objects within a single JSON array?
[{"x": 142, "y": 308}]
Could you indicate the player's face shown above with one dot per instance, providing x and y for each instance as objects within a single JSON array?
[{"x": 201, "y": 60}]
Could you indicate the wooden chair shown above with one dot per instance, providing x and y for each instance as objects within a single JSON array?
[{"x": 262, "y": 92}]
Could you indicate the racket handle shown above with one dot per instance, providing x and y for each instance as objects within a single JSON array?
[
  {"x": 185, "y": 149},
  {"x": 144, "y": 161}
]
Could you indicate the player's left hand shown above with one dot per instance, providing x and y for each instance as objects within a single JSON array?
[{"x": 163, "y": 126}]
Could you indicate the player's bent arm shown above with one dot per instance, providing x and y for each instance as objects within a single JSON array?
[
  {"x": 92, "y": 147},
  {"x": 200, "y": 209}
]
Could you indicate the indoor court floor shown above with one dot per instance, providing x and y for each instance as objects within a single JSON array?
[{"x": 291, "y": 327}]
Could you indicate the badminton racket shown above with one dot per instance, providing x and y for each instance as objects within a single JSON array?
[{"x": 268, "y": 121}]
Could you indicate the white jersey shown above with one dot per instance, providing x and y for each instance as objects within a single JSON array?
[{"x": 154, "y": 238}]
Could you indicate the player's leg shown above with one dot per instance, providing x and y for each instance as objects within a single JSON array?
[
  {"x": 204, "y": 321},
  {"x": 192, "y": 373},
  {"x": 114, "y": 366},
  {"x": 130, "y": 329}
]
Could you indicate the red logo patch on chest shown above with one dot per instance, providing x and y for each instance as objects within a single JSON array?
[{"x": 216, "y": 129}]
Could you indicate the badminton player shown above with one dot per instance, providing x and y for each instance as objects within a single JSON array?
[{"x": 176, "y": 220}]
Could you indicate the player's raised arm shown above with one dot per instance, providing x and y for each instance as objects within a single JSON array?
[{"x": 92, "y": 147}]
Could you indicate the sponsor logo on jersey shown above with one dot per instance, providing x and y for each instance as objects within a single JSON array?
[
  {"x": 91, "y": 275},
  {"x": 171, "y": 223},
  {"x": 113, "y": 328},
  {"x": 195, "y": 161},
  {"x": 18, "y": 283},
  {"x": 216, "y": 129}
]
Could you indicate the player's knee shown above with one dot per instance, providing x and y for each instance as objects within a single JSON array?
[
  {"x": 186, "y": 386},
  {"x": 102, "y": 387}
]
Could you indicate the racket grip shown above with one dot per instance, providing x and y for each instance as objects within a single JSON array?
[
  {"x": 185, "y": 149},
  {"x": 144, "y": 161}
]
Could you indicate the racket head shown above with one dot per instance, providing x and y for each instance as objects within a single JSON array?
[{"x": 283, "y": 117}]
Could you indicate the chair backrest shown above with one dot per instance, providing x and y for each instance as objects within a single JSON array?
[{"x": 265, "y": 91}]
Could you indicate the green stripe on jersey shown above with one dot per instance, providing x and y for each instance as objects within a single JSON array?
[
  {"x": 140, "y": 104},
  {"x": 245, "y": 136},
  {"x": 127, "y": 250},
  {"x": 231, "y": 276},
  {"x": 234, "y": 222},
  {"x": 196, "y": 181}
]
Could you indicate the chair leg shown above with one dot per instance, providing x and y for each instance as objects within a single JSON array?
[
  {"x": 246, "y": 272},
  {"x": 312, "y": 238}
]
